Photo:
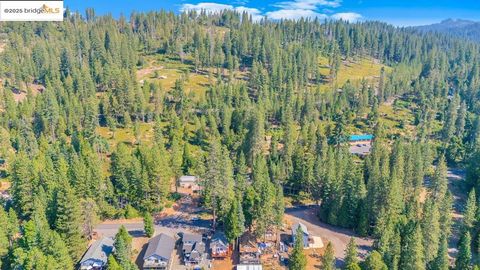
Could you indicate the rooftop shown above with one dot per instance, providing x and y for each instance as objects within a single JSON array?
[
  {"x": 361, "y": 137},
  {"x": 161, "y": 245},
  {"x": 301, "y": 225},
  {"x": 190, "y": 237},
  {"x": 188, "y": 178},
  {"x": 99, "y": 250}
]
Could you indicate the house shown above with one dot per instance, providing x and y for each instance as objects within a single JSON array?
[
  {"x": 193, "y": 248},
  {"x": 188, "y": 181},
  {"x": 219, "y": 246},
  {"x": 305, "y": 233},
  {"x": 158, "y": 253},
  {"x": 97, "y": 255},
  {"x": 360, "y": 144}
]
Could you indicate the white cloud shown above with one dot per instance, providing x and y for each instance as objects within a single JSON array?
[
  {"x": 255, "y": 13},
  {"x": 209, "y": 7},
  {"x": 294, "y": 14},
  {"x": 289, "y": 10},
  {"x": 308, "y": 4},
  {"x": 216, "y": 8},
  {"x": 347, "y": 16}
]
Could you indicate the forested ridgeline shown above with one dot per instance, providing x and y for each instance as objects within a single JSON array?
[{"x": 266, "y": 125}]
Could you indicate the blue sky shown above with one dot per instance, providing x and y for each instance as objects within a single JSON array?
[{"x": 397, "y": 12}]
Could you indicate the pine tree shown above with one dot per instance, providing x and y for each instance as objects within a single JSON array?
[
  {"x": 441, "y": 261},
  {"x": 464, "y": 257},
  {"x": 123, "y": 248},
  {"x": 234, "y": 221},
  {"x": 351, "y": 253},
  {"x": 328, "y": 258},
  {"x": 298, "y": 260},
  {"x": 112, "y": 263},
  {"x": 430, "y": 225},
  {"x": 148, "y": 225},
  {"x": 469, "y": 215},
  {"x": 412, "y": 250},
  {"x": 4, "y": 243},
  {"x": 374, "y": 262},
  {"x": 68, "y": 221}
]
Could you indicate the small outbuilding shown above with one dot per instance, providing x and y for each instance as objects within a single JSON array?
[
  {"x": 188, "y": 181},
  {"x": 306, "y": 235}
]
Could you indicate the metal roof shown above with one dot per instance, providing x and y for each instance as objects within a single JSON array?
[
  {"x": 301, "y": 225},
  {"x": 188, "y": 178},
  {"x": 363, "y": 137},
  {"x": 161, "y": 245}
]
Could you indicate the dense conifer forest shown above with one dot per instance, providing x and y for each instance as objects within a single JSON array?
[{"x": 270, "y": 123}]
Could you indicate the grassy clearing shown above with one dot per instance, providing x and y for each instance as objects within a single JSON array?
[
  {"x": 352, "y": 70},
  {"x": 126, "y": 135},
  {"x": 397, "y": 119},
  {"x": 170, "y": 70}
]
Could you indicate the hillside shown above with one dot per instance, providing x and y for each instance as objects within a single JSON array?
[
  {"x": 455, "y": 27},
  {"x": 100, "y": 118}
]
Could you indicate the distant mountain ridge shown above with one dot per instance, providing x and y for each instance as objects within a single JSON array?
[{"x": 456, "y": 27}]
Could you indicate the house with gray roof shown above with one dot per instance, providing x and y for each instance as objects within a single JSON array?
[
  {"x": 193, "y": 248},
  {"x": 159, "y": 252},
  {"x": 97, "y": 255},
  {"x": 306, "y": 235}
]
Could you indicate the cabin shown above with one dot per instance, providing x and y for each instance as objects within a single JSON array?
[
  {"x": 159, "y": 253},
  {"x": 306, "y": 235},
  {"x": 97, "y": 254},
  {"x": 188, "y": 181},
  {"x": 193, "y": 248},
  {"x": 360, "y": 144},
  {"x": 219, "y": 246}
]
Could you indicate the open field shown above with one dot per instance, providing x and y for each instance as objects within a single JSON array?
[{"x": 353, "y": 71}]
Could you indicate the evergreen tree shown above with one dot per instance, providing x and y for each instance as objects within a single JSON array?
[
  {"x": 464, "y": 257},
  {"x": 112, "y": 264},
  {"x": 328, "y": 257},
  {"x": 148, "y": 225},
  {"x": 298, "y": 260},
  {"x": 470, "y": 212},
  {"x": 234, "y": 221},
  {"x": 68, "y": 221},
  {"x": 374, "y": 262},
  {"x": 351, "y": 253},
  {"x": 441, "y": 261}
]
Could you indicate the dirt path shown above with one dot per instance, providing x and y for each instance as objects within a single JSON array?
[
  {"x": 456, "y": 185},
  {"x": 338, "y": 236}
]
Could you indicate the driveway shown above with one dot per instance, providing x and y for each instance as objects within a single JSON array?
[{"x": 338, "y": 236}]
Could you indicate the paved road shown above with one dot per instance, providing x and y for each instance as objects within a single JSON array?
[{"x": 339, "y": 237}]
